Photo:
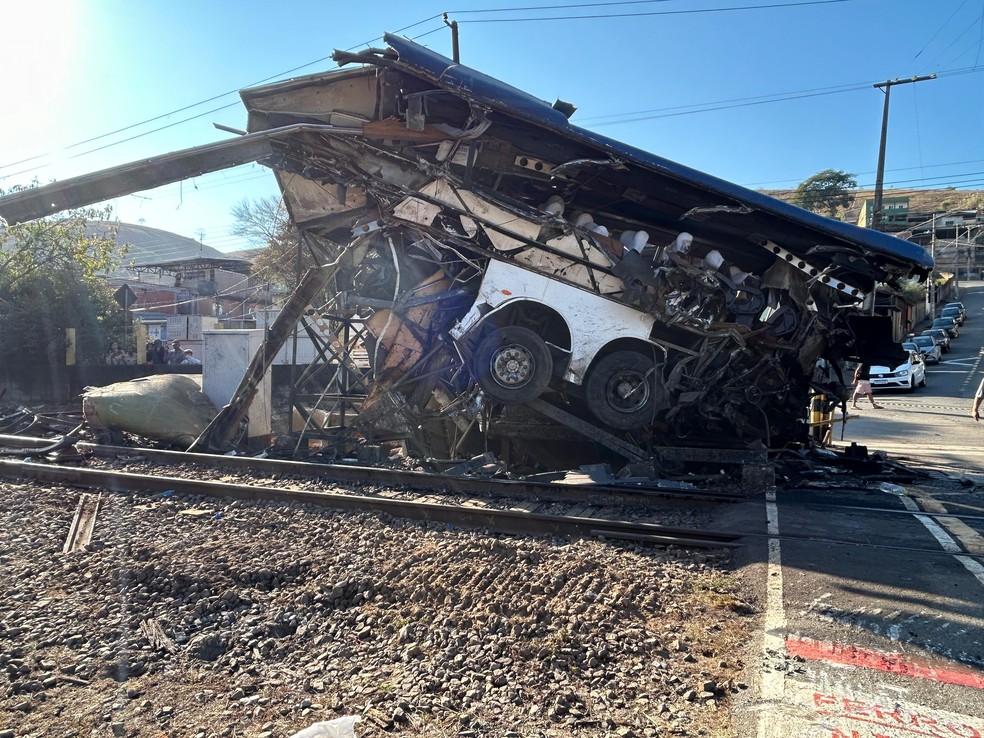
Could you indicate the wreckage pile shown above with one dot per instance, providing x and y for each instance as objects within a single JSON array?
[
  {"x": 488, "y": 274},
  {"x": 187, "y": 619}
]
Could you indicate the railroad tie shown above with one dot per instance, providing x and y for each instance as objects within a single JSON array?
[{"x": 83, "y": 524}]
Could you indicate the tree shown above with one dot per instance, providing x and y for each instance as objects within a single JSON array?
[
  {"x": 49, "y": 282},
  {"x": 826, "y": 191},
  {"x": 266, "y": 224}
]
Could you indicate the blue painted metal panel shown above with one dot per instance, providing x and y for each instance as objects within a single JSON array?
[{"x": 505, "y": 98}]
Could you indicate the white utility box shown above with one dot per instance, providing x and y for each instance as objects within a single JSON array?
[{"x": 225, "y": 357}]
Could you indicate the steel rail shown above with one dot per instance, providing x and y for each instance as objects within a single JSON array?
[
  {"x": 544, "y": 491},
  {"x": 505, "y": 521},
  {"x": 808, "y": 539},
  {"x": 83, "y": 524},
  {"x": 829, "y": 507}
]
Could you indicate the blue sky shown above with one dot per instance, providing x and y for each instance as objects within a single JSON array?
[{"x": 763, "y": 93}]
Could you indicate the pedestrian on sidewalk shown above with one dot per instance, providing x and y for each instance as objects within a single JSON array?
[
  {"x": 976, "y": 410},
  {"x": 862, "y": 386}
]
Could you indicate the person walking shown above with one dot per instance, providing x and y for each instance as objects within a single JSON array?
[
  {"x": 862, "y": 387},
  {"x": 975, "y": 411}
]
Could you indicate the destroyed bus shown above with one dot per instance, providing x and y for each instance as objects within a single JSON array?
[{"x": 497, "y": 263}]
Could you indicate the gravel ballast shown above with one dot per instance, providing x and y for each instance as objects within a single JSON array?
[{"x": 195, "y": 617}]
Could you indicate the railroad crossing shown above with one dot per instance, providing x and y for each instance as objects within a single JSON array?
[{"x": 880, "y": 634}]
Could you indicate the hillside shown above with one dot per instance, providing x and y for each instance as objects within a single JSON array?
[{"x": 920, "y": 201}]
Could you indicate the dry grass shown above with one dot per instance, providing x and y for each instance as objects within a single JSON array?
[{"x": 920, "y": 201}]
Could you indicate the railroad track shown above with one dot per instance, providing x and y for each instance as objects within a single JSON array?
[
  {"x": 511, "y": 520},
  {"x": 555, "y": 491}
]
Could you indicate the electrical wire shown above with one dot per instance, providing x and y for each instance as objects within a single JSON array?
[
  {"x": 938, "y": 30},
  {"x": 768, "y": 6},
  {"x": 602, "y": 120},
  {"x": 199, "y": 103}
]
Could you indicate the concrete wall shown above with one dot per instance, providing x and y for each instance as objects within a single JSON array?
[{"x": 62, "y": 385}]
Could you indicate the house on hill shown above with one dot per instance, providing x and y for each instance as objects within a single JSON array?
[{"x": 174, "y": 275}]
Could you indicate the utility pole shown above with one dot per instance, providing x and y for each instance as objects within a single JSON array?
[
  {"x": 931, "y": 292},
  {"x": 455, "y": 51},
  {"x": 876, "y": 210}
]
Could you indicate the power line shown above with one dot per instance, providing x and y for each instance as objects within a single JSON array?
[
  {"x": 769, "y": 6},
  {"x": 665, "y": 112},
  {"x": 744, "y": 101},
  {"x": 703, "y": 107},
  {"x": 748, "y": 104},
  {"x": 933, "y": 37},
  {"x": 773, "y": 97},
  {"x": 559, "y": 7},
  {"x": 199, "y": 103},
  {"x": 961, "y": 35}
]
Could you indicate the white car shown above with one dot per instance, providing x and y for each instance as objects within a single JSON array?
[{"x": 905, "y": 376}]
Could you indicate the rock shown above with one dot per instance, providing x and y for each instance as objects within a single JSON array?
[{"x": 207, "y": 646}]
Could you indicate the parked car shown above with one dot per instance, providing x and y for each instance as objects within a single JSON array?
[
  {"x": 910, "y": 346},
  {"x": 941, "y": 336},
  {"x": 947, "y": 324},
  {"x": 906, "y": 376},
  {"x": 932, "y": 352},
  {"x": 960, "y": 305},
  {"x": 954, "y": 312}
]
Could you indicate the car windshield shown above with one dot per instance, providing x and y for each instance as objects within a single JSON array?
[
  {"x": 941, "y": 322},
  {"x": 924, "y": 341}
]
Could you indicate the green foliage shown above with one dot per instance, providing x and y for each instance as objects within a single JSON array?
[
  {"x": 826, "y": 191},
  {"x": 914, "y": 293},
  {"x": 49, "y": 282}
]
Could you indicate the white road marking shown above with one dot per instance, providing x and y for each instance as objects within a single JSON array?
[
  {"x": 941, "y": 536},
  {"x": 973, "y": 566},
  {"x": 944, "y": 539},
  {"x": 773, "y": 641},
  {"x": 970, "y": 381},
  {"x": 970, "y": 539}
]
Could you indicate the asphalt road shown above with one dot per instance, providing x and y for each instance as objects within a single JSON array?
[
  {"x": 872, "y": 596},
  {"x": 932, "y": 425}
]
